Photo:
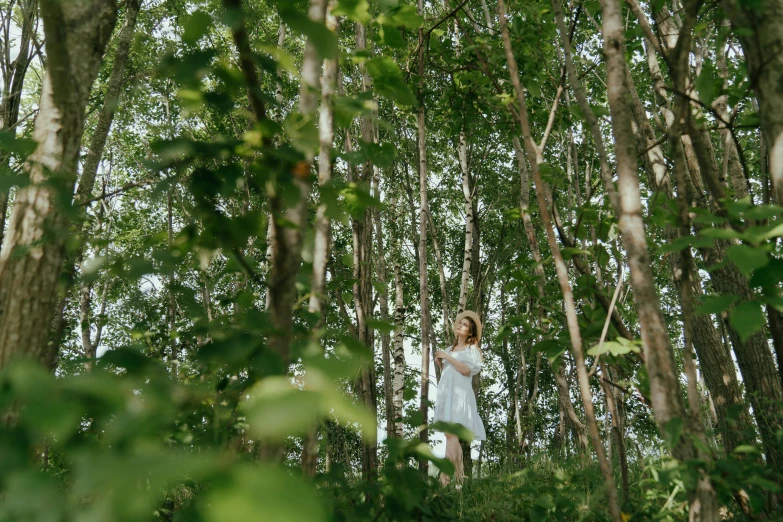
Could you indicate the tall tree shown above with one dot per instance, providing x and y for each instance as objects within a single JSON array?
[
  {"x": 14, "y": 73},
  {"x": 659, "y": 358},
  {"x": 759, "y": 28},
  {"x": 33, "y": 251},
  {"x": 422, "y": 247},
  {"x": 534, "y": 154}
]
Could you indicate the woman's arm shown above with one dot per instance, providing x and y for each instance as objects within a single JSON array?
[{"x": 461, "y": 367}]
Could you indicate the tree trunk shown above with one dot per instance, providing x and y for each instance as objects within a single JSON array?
[
  {"x": 363, "y": 275},
  {"x": 733, "y": 170},
  {"x": 323, "y": 228},
  {"x": 15, "y": 72},
  {"x": 95, "y": 151},
  {"x": 111, "y": 101},
  {"x": 754, "y": 358},
  {"x": 388, "y": 390},
  {"x": 446, "y": 304},
  {"x": 467, "y": 257},
  {"x": 288, "y": 222},
  {"x": 759, "y": 28},
  {"x": 33, "y": 251},
  {"x": 714, "y": 360},
  {"x": 659, "y": 358},
  {"x": 326, "y": 138},
  {"x": 562, "y": 272},
  {"x": 399, "y": 352},
  {"x": 618, "y": 429},
  {"x": 423, "y": 217}
]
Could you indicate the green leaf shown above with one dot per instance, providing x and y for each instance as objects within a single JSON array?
[
  {"x": 569, "y": 252},
  {"x": 748, "y": 258},
  {"x": 303, "y": 132},
  {"x": 750, "y": 119},
  {"x": 454, "y": 429},
  {"x": 720, "y": 233},
  {"x": 614, "y": 348},
  {"x": 383, "y": 326},
  {"x": 9, "y": 143},
  {"x": 681, "y": 243},
  {"x": 672, "y": 433},
  {"x": 423, "y": 450},
  {"x": 769, "y": 275},
  {"x": 277, "y": 409},
  {"x": 196, "y": 26},
  {"x": 263, "y": 493},
  {"x": 342, "y": 408},
  {"x": 356, "y": 10},
  {"x": 405, "y": 15},
  {"x": 599, "y": 110},
  {"x": 324, "y": 40},
  {"x": 708, "y": 83},
  {"x": 352, "y": 347},
  {"x": 745, "y": 448},
  {"x": 747, "y": 318},
  {"x": 764, "y": 212},
  {"x": 552, "y": 350},
  {"x": 715, "y": 304},
  {"x": 390, "y": 36},
  {"x": 388, "y": 81},
  {"x": 356, "y": 200}
]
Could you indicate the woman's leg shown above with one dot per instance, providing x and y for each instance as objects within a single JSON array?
[{"x": 454, "y": 454}]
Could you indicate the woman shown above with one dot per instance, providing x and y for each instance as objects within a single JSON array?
[{"x": 456, "y": 401}]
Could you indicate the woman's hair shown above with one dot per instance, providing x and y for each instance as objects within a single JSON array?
[{"x": 472, "y": 336}]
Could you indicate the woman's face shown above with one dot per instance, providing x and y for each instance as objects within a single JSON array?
[{"x": 463, "y": 328}]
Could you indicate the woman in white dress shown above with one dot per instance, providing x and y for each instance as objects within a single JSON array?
[{"x": 456, "y": 401}]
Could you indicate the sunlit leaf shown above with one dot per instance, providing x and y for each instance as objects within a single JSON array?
[
  {"x": 388, "y": 80},
  {"x": 263, "y": 493},
  {"x": 276, "y": 408}
]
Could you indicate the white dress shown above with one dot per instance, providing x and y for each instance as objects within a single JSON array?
[{"x": 456, "y": 401}]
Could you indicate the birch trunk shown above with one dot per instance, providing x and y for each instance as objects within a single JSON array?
[
  {"x": 715, "y": 361},
  {"x": 399, "y": 352},
  {"x": 111, "y": 101},
  {"x": 326, "y": 139},
  {"x": 443, "y": 289},
  {"x": 562, "y": 272},
  {"x": 96, "y": 148},
  {"x": 288, "y": 222},
  {"x": 32, "y": 257},
  {"x": 468, "y": 252},
  {"x": 423, "y": 217},
  {"x": 388, "y": 391},
  {"x": 13, "y": 82},
  {"x": 733, "y": 171},
  {"x": 754, "y": 357}
]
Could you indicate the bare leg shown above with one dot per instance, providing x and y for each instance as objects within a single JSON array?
[{"x": 454, "y": 454}]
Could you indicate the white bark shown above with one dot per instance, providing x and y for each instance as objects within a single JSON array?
[
  {"x": 423, "y": 213},
  {"x": 32, "y": 257},
  {"x": 326, "y": 136},
  {"x": 399, "y": 352},
  {"x": 468, "y": 195}
]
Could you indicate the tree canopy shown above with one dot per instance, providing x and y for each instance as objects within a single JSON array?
[{"x": 234, "y": 233}]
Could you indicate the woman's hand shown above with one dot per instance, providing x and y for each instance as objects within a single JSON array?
[{"x": 441, "y": 355}]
